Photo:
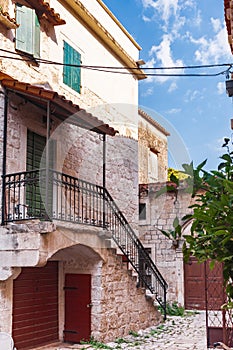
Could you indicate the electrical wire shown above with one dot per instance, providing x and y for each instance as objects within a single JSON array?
[{"x": 118, "y": 70}]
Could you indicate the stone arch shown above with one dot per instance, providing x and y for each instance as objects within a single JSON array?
[{"x": 80, "y": 259}]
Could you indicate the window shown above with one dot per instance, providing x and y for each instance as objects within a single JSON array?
[
  {"x": 28, "y": 32},
  {"x": 71, "y": 75},
  {"x": 152, "y": 166},
  {"x": 142, "y": 211}
]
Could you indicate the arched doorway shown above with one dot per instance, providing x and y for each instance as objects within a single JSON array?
[{"x": 54, "y": 302}]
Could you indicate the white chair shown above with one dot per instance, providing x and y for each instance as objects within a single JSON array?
[{"x": 6, "y": 341}]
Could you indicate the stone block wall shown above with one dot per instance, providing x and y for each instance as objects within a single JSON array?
[
  {"x": 124, "y": 307},
  {"x": 160, "y": 214},
  {"x": 118, "y": 305}
]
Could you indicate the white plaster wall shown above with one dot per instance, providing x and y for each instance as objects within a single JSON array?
[
  {"x": 97, "y": 87},
  {"x": 102, "y": 16}
]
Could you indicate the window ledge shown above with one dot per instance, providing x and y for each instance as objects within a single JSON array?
[{"x": 9, "y": 23}]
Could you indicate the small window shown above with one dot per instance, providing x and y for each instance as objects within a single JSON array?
[
  {"x": 28, "y": 33},
  {"x": 142, "y": 211},
  {"x": 71, "y": 75},
  {"x": 152, "y": 166}
]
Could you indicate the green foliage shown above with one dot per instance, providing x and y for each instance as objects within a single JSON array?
[
  {"x": 173, "y": 309},
  {"x": 212, "y": 218},
  {"x": 121, "y": 341},
  {"x": 96, "y": 344},
  {"x": 174, "y": 234},
  {"x": 134, "y": 334}
]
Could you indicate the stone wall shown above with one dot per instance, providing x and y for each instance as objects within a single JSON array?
[
  {"x": 124, "y": 307},
  {"x": 152, "y": 137},
  {"x": 167, "y": 254},
  {"x": 118, "y": 305}
]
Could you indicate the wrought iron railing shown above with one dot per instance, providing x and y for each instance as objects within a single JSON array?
[{"x": 49, "y": 194}]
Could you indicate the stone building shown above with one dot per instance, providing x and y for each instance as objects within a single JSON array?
[
  {"x": 153, "y": 150},
  {"x": 71, "y": 264},
  {"x": 158, "y": 212}
]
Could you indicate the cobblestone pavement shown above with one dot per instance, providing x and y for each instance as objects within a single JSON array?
[{"x": 177, "y": 333}]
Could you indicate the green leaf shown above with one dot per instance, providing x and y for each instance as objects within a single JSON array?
[
  {"x": 174, "y": 179},
  {"x": 201, "y": 165},
  {"x": 212, "y": 264},
  {"x": 166, "y": 233},
  {"x": 226, "y": 157},
  {"x": 176, "y": 222}
]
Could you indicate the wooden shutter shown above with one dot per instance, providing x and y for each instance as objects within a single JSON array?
[
  {"x": 28, "y": 32},
  {"x": 76, "y": 71},
  {"x": 66, "y": 69},
  {"x": 35, "y": 148},
  {"x": 72, "y": 75},
  {"x": 36, "y": 37}
]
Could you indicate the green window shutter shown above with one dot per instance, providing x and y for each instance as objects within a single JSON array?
[
  {"x": 28, "y": 32},
  {"x": 76, "y": 72},
  {"x": 72, "y": 75},
  {"x": 36, "y": 36},
  {"x": 67, "y": 69}
]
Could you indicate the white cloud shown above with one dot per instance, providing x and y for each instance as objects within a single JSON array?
[
  {"x": 165, "y": 8},
  {"x": 169, "y": 11},
  {"x": 216, "y": 145},
  {"x": 146, "y": 19},
  {"x": 148, "y": 92},
  {"x": 197, "y": 20},
  {"x": 174, "y": 111},
  {"x": 221, "y": 88},
  {"x": 189, "y": 3},
  {"x": 163, "y": 54},
  {"x": 216, "y": 23},
  {"x": 172, "y": 87},
  {"x": 192, "y": 95},
  {"x": 213, "y": 49}
]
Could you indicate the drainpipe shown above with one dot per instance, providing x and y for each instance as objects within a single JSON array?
[
  {"x": 4, "y": 153},
  {"x": 104, "y": 178}
]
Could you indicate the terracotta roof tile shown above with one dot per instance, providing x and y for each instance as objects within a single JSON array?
[
  {"x": 44, "y": 10},
  {"x": 228, "y": 11},
  {"x": 7, "y": 21},
  {"x": 63, "y": 109}
]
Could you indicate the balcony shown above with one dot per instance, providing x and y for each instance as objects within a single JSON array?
[{"x": 47, "y": 194}]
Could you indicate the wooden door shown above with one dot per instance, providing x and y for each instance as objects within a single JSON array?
[
  {"x": 35, "y": 306},
  {"x": 77, "y": 307},
  {"x": 194, "y": 279}
]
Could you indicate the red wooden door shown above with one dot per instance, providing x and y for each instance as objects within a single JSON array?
[
  {"x": 77, "y": 307},
  {"x": 35, "y": 306},
  {"x": 194, "y": 279}
]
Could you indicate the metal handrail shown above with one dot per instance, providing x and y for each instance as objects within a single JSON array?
[
  {"x": 126, "y": 239},
  {"x": 74, "y": 200}
]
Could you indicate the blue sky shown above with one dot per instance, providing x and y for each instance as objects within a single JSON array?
[{"x": 172, "y": 33}]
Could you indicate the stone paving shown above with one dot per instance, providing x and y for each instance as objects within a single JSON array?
[{"x": 177, "y": 333}]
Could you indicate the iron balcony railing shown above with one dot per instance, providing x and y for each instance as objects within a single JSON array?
[{"x": 49, "y": 194}]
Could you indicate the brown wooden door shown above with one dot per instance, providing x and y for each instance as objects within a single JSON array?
[
  {"x": 203, "y": 287},
  {"x": 194, "y": 279},
  {"x": 77, "y": 307},
  {"x": 35, "y": 306}
]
